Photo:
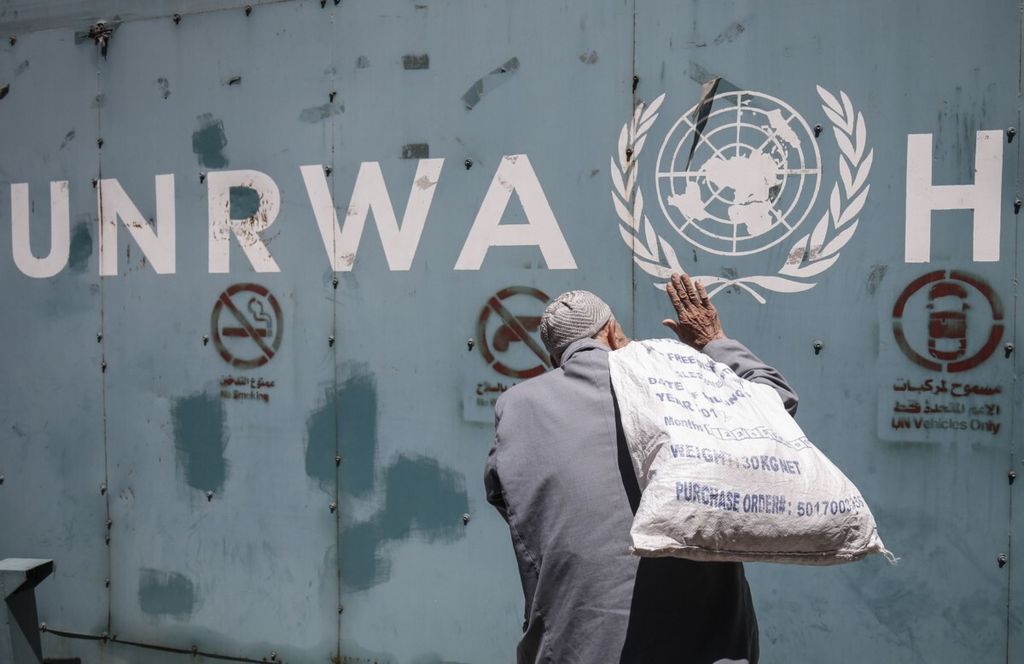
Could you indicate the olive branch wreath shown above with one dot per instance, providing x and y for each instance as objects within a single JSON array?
[{"x": 811, "y": 255}]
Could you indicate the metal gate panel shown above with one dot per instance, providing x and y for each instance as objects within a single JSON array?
[
  {"x": 51, "y": 456},
  {"x": 469, "y": 84},
  {"x": 222, "y": 487},
  {"x": 941, "y": 505}
]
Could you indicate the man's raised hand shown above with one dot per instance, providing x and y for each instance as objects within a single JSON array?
[{"x": 697, "y": 321}]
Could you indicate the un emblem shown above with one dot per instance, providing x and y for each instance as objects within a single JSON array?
[{"x": 736, "y": 174}]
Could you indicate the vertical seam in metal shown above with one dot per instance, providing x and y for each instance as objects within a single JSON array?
[
  {"x": 632, "y": 109},
  {"x": 103, "y": 345},
  {"x": 1013, "y": 335},
  {"x": 335, "y": 119}
]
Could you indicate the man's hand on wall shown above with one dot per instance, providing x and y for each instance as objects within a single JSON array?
[{"x": 697, "y": 321}]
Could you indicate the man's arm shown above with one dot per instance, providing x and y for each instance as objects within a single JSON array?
[
  {"x": 750, "y": 367},
  {"x": 697, "y": 325}
]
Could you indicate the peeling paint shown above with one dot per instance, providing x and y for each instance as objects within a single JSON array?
[
  {"x": 489, "y": 83},
  {"x": 200, "y": 438},
  {"x": 322, "y": 112},
  {"x": 165, "y": 593},
  {"x": 209, "y": 141}
]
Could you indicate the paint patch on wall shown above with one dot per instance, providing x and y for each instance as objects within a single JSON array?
[
  {"x": 245, "y": 202},
  {"x": 200, "y": 439},
  {"x": 875, "y": 277},
  {"x": 81, "y": 244},
  {"x": 165, "y": 593},
  {"x": 416, "y": 151},
  {"x": 68, "y": 137},
  {"x": 416, "y": 61},
  {"x": 489, "y": 83},
  {"x": 209, "y": 141},
  {"x": 322, "y": 112},
  {"x": 352, "y": 408},
  {"x": 729, "y": 34},
  {"x": 422, "y": 500}
]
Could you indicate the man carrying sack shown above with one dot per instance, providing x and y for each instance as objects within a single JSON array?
[{"x": 561, "y": 476}]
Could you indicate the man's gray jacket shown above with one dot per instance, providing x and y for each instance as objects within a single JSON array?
[{"x": 560, "y": 475}]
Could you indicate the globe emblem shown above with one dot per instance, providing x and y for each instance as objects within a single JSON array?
[{"x": 741, "y": 179}]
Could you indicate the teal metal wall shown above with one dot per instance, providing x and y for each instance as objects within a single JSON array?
[{"x": 293, "y": 468}]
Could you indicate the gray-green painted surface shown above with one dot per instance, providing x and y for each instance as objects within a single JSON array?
[
  {"x": 200, "y": 439},
  {"x": 178, "y": 516},
  {"x": 163, "y": 592}
]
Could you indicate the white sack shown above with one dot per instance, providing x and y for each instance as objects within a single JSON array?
[{"x": 726, "y": 473}]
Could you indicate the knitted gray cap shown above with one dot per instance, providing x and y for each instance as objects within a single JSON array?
[{"x": 574, "y": 315}]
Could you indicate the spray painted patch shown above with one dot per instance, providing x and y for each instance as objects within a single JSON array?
[
  {"x": 416, "y": 61},
  {"x": 875, "y": 277},
  {"x": 729, "y": 34},
  {"x": 353, "y": 407},
  {"x": 200, "y": 438},
  {"x": 319, "y": 113},
  {"x": 488, "y": 83},
  {"x": 209, "y": 141},
  {"x": 416, "y": 151},
  {"x": 81, "y": 244},
  {"x": 245, "y": 202},
  {"x": 165, "y": 593},
  {"x": 68, "y": 137},
  {"x": 421, "y": 500}
]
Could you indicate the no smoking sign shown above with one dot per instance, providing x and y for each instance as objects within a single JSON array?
[
  {"x": 246, "y": 325},
  {"x": 506, "y": 329}
]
